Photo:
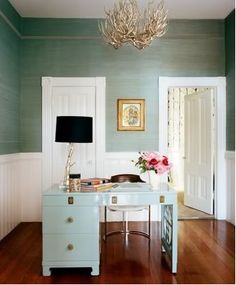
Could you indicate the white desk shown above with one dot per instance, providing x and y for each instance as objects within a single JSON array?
[{"x": 71, "y": 231}]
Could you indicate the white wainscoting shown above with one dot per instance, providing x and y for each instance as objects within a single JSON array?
[
  {"x": 120, "y": 162},
  {"x": 114, "y": 163},
  {"x": 230, "y": 184},
  {"x": 31, "y": 183},
  {"x": 31, "y": 186},
  {"x": 21, "y": 187},
  {"x": 20, "y": 190},
  {"x": 9, "y": 193}
]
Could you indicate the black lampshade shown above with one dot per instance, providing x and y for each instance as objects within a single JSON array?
[{"x": 74, "y": 129}]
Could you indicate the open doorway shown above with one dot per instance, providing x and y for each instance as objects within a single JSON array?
[
  {"x": 219, "y": 84},
  {"x": 191, "y": 149}
]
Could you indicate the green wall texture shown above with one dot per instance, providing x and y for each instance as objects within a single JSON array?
[
  {"x": 9, "y": 84},
  {"x": 10, "y": 14},
  {"x": 59, "y": 47},
  {"x": 190, "y": 48},
  {"x": 230, "y": 79}
]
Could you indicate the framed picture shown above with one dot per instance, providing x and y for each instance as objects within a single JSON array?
[{"x": 130, "y": 114}]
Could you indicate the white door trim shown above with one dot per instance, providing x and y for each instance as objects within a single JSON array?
[
  {"x": 219, "y": 83},
  {"x": 47, "y": 86}
]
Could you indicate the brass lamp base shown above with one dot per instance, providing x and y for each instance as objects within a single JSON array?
[{"x": 67, "y": 168}]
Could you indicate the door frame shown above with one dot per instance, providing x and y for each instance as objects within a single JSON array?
[
  {"x": 47, "y": 87},
  {"x": 219, "y": 85}
]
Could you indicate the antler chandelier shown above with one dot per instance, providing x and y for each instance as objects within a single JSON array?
[{"x": 125, "y": 24}]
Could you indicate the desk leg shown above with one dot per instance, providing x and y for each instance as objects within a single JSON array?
[
  {"x": 174, "y": 238},
  {"x": 46, "y": 271},
  {"x": 169, "y": 234},
  {"x": 95, "y": 270}
]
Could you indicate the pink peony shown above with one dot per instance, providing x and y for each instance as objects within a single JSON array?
[
  {"x": 153, "y": 161},
  {"x": 165, "y": 160}
]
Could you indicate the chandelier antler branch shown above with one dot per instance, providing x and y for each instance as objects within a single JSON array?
[{"x": 125, "y": 24}]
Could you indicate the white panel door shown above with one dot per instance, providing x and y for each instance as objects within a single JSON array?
[
  {"x": 73, "y": 101},
  {"x": 198, "y": 166},
  {"x": 75, "y": 96}
]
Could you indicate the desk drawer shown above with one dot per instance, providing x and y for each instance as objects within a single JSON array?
[
  {"x": 70, "y": 247},
  {"x": 138, "y": 199},
  {"x": 70, "y": 219},
  {"x": 70, "y": 199}
]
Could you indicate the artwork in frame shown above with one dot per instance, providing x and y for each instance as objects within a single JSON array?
[{"x": 130, "y": 114}]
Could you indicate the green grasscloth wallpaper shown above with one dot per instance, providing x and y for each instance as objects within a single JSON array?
[
  {"x": 55, "y": 48},
  {"x": 191, "y": 48},
  {"x": 230, "y": 80},
  {"x": 9, "y": 84}
]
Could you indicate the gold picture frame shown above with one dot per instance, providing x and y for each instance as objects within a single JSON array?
[{"x": 130, "y": 114}]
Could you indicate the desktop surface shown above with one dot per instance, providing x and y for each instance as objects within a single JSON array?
[{"x": 117, "y": 188}]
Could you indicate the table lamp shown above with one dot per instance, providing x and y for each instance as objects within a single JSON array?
[{"x": 73, "y": 129}]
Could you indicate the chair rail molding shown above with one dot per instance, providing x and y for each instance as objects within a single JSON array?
[{"x": 219, "y": 84}]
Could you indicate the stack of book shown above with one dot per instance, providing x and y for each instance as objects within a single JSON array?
[{"x": 95, "y": 184}]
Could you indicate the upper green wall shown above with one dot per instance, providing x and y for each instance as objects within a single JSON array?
[
  {"x": 60, "y": 47},
  {"x": 9, "y": 84},
  {"x": 190, "y": 48},
  {"x": 230, "y": 79},
  {"x": 10, "y": 15}
]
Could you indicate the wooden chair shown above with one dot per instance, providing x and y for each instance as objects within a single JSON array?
[{"x": 121, "y": 178}]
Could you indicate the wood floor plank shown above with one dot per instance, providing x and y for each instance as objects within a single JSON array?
[{"x": 206, "y": 255}]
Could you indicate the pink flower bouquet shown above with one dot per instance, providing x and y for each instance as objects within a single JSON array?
[{"x": 153, "y": 161}]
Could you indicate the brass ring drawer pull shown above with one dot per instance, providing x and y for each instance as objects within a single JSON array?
[
  {"x": 114, "y": 199},
  {"x": 70, "y": 220},
  {"x": 70, "y": 246},
  {"x": 162, "y": 199}
]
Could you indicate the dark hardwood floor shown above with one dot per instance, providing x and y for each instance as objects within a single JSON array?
[{"x": 205, "y": 255}]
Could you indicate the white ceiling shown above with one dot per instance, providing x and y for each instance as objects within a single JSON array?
[{"x": 178, "y": 9}]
